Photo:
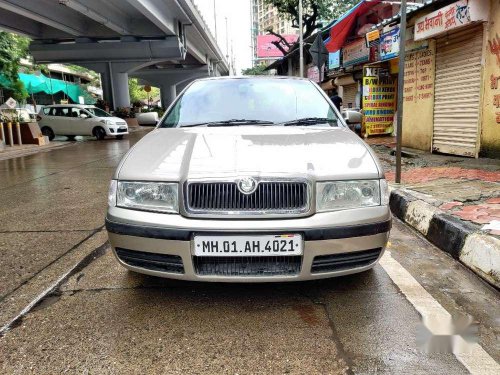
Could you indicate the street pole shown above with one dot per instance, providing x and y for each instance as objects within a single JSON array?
[
  {"x": 215, "y": 22},
  {"x": 401, "y": 76},
  {"x": 227, "y": 49},
  {"x": 301, "y": 42}
]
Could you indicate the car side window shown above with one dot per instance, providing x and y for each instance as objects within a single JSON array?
[
  {"x": 47, "y": 111},
  {"x": 61, "y": 111},
  {"x": 67, "y": 112},
  {"x": 75, "y": 112}
]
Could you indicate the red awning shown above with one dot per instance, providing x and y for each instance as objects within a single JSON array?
[{"x": 342, "y": 28}]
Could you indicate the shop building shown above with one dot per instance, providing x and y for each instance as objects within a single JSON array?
[
  {"x": 349, "y": 52},
  {"x": 452, "y": 73}
]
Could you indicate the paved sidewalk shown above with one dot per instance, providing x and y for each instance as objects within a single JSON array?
[
  {"x": 16, "y": 151},
  {"x": 453, "y": 201}
]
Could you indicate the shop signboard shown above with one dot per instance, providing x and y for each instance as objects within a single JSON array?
[
  {"x": 379, "y": 100},
  {"x": 372, "y": 38},
  {"x": 355, "y": 53},
  {"x": 266, "y": 48},
  {"x": 11, "y": 103},
  {"x": 389, "y": 44},
  {"x": 455, "y": 15},
  {"x": 334, "y": 60}
]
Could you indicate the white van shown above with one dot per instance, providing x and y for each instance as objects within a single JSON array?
[{"x": 78, "y": 119}]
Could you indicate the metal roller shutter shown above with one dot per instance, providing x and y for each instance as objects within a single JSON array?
[
  {"x": 457, "y": 92},
  {"x": 349, "y": 95}
]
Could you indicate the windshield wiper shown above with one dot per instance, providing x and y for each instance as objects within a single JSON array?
[
  {"x": 232, "y": 122},
  {"x": 308, "y": 121}
]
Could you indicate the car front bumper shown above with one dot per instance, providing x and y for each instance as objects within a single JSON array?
[
  {"x": 114, "y": 131},
  {"x": 341, "y": 243}
]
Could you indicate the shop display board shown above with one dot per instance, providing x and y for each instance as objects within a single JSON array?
[{"x": 379, "y": 100}]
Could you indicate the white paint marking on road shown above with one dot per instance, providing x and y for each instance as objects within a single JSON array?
[{"x": 475, "y": 358}]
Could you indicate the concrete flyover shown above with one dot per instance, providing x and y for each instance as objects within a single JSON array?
[{"x": 163, "y": 42}]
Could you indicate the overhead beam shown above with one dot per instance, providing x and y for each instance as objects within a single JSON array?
[
  {"x": 36, "y": 11},
  {"x": 156, "y": 14},
  {"x": 119, "y": 51},
  {"x": 19, "y": 25},
  {"x": 113, "y": 22},
  {"x": 199, "y": 31}
]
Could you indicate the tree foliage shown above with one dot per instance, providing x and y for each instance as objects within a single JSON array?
[
  {"x": 137, "y": 93},
  {"x": 13, "y": 48},
  {"x": 255, "y": 71},
  {"x": 339, "y": 7},
  {"x": 314, "y": 12}
]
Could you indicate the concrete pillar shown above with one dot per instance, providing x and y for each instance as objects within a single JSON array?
[
  {"x": 115, "y": 87},
  {"x": 167, "y": 94},
  {"x": 120, "y": 90}
]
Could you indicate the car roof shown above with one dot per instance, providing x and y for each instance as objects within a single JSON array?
[
  {"x": 290, "y": 78},
  {"x": 70, "y": 105}
]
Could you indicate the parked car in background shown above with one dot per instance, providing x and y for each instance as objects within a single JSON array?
[
  {"x": 77, "y": 119},
  {"x": 249, "y": 179},
  {"x": 354, "y": 119},
  {"x": 147, "y": 118}
]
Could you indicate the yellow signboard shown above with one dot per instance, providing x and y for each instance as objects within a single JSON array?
[
  {"x": 372, "y": 38},
  {"x": 379, "y": 100}
]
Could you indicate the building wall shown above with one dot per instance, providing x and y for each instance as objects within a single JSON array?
[
  {"x": 490, "y": 129},
  {"x": 267, "y": 17},
  {"x": 418, "y": 98}
]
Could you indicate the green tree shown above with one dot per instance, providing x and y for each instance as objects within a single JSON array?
[
  {"x": 137, "y": 92},
  {"x": 314, "y": 11},
  {"x": 13, "y": 48},
  {"x": 257, "y": 70}
]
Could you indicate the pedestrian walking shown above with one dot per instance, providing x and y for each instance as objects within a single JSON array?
[{"x": 336, "y": 99}]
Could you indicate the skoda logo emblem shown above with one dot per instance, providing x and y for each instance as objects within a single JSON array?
[{"x": 247, "y": 185}]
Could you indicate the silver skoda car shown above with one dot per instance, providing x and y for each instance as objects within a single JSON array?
[{"x": 249, "y": 180}]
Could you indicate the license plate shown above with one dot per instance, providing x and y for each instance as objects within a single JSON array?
[{"x": 268, "y": 245}]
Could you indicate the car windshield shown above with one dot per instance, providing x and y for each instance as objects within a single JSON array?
[
  {"x": 98, "y": 112},
  {"x": 254, "y": 101}
]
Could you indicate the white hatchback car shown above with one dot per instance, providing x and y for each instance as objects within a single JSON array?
[{"x": 78, "y": 119}]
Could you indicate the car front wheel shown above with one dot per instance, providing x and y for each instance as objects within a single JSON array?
[
  {"x": 99, "y": 133},
  {"x": 48, "y": 132}
]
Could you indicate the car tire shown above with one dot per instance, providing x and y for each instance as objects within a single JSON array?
[
  {"x": 48, "y": 132},
  {"x": 119, "y": 136},
  {"x": 99, "y": 133}
]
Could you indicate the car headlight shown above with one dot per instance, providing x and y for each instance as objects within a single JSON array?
[
  {"x": 341, "y": 195},
  {"x": 107, "y": 122},
  {"x": 148, "y": 196}
]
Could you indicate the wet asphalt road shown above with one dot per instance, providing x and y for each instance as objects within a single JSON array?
[{"x": 104, "y": 319}]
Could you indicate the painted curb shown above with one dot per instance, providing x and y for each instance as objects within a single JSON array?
[{"x": 480, "y": 252}]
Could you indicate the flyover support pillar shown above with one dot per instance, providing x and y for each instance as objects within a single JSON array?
[
  {"x": 114, "y": 84},
  {"x": 121, "y": 94}
]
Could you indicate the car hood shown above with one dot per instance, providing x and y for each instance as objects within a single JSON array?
[{"x": 224, "y": 152}]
